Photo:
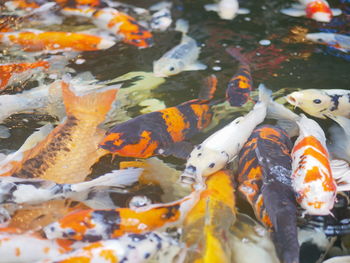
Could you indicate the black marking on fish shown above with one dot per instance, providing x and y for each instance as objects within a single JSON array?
[
  {"x": 335, "y": 101},
  {"x": 109, "y": 218},
  {"x": 92, "y": 238}
]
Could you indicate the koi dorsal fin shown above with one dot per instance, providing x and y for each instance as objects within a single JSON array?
[{"x": 209, "y": 87}]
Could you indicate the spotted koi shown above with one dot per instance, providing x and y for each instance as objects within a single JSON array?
[
  {"x": 312, "y": 175},
  {"x": 118, "y": 23},
  {"x": 264, "y": 178},
  {"x": 241, "y": 84},
  {"x": 93, "y": 225},
  {"x": 161, "y": 132},
  {"x": 134, "y": 248},
  {"x": 36, "y": 40},
  {"x": 11, "y": 74}
]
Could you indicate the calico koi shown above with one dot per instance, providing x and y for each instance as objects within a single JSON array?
[
  {"x": 241, "y": 84},
  {"x": 93, "y": 225},
  {"x": 13, "y": 73},
  {"x": 223, "y": 146},
  {"x": 134, "y": 248},
  {"x": 161, "y": 132},
  {"x": 36, "y": 40},
  {"x": 118, "y": 23},
  {"x": 318, "y": 10},
  {"x": 264, "y": 179}
]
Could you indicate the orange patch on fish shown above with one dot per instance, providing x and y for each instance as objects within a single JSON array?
[
  {"x": 175, "y": 123},
  {"x": 109, "y": 256},
  {"x": 316, "y": 204},
  {"x": 201, "y": 111},
  {"x": 310, "y": 141},
  {"x": 317, "y": 6},
  {"x": 312, "y": 174}
]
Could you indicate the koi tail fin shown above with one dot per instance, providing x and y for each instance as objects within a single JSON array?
[
  {"x": 286, "y": 118},
  {"x": 95, "y": 193},
  {"x": 92, "y": 105},
  {"x": 182, "y": 26},
  {"x": 281, "y": 207},
  {"x": 209, "y": 88},
  {"x": 236, "y": 54}
]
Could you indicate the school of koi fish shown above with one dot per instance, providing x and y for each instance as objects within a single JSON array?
[{"x": 106, "y": 171}]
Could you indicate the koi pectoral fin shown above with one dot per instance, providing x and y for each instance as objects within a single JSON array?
[
  {"x": 336, "y": 11},
  {"x": 195, "y": 66},
  {"x": 295, "y": 12},
  {"x": 211, "y": 7},
  {"x": 179, "y": 150},
  {"x": 243, "y": 11}
]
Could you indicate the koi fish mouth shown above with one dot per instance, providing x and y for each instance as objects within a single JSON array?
[{"x": 291, "y": 100}]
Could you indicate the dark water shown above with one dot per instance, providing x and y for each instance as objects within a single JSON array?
[{"x": 284, "y": 64}]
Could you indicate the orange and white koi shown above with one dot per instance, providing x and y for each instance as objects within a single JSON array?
[
  {"x": 93, "y": 225},
  {"x": 13, "y": 73},
  {"x": 22, "y": 4},
  {"x": 264, "y": 178},
  {"x": 118, "y": 23},
  {"x": 136, "y": 248},
  {"x": 222, "y": 147},
  {"x": 318, "y": 10},
  {"x": 36, "y": 40},
  {"x": 23, "y": 248}
]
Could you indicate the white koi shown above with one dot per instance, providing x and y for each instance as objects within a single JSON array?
[
  {"x": 338, "y": 41},
  {"x": 227, "y": 9},
  {"x": 182, "y": 57},
  {"x": 223, "y": 146}
]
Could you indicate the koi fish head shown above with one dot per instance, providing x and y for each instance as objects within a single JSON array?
[
  {"x": 228, "y": 9},
  {"x": 320, "y": 204},
  {"x": 165, "y": 67},
  {"x": 312, "y": 101},
  {"x": 319, "y": 11},
  {"x": 203, "y": 162}
]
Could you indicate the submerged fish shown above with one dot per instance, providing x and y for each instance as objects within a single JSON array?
[
  {"x": 321, "y": 102},
  {"x": 264, "y": 178},
  {"x": 223, "y": 146},
  {"x": 241, "y": 84},
  {"x": 318, "y": 10},
  {"x": 36, "y": 40},
  {"x": 161, "y": 132},
  {"x": 161, "y": 19},
  {"x": 180, "y": 58},
  {"x": 227, "y": 9},
  {"x": 338, "y": 41},
  {"x": 93, "y": 225},
  {"x": 136, "y": 248},
  {"x": 207, "y": 225},
  {"x": 118, "y": 23}
]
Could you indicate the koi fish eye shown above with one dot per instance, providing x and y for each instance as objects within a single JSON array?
[
  {"x": 171, "y": 68},
  {"x": 317, "y": 101},
  {"x": 211, "y": 165}
]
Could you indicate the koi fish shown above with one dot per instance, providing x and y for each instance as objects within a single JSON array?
[
  {"x": 227, "y": 9},
  {"x": 241, "y": 84},
  {"x": 23, "y": 248},
  {"x": 22, "y": 4},
  {"x": 180, "y": 58},
  {"x": 161, "y": 132},
  {"x": 320, "y": 103},
  {"x": 264, "y": 178},
  {"x": 338, "y": 41},
  {"x": 35, "y": 191},
  {"x": 13, "y": 73},
  {"x": 118, "y": 23},
  {"x": 161, "y": 20},
  {"x": 36, "y": 40},
  {"x": 93, "y": 225},
  {"x": 318, "y": 10},
  {"x": 74, "y": 140},
  {"x": 223, "y": 146},
  {"x": 210, "y": 220},
  {"x": 134, "y": 248}
]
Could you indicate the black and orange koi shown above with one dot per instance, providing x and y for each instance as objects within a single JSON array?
[
  {"x": 161, "y": 132},
  {"x": 241, "y": 84},
  {"x": 265, "y": 169}
]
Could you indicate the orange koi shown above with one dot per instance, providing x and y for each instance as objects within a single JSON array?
[
  {"x": 61, "y": 41},
  {"x": 117, "y": 23},
  {"x": 161, "y": 132},
  {"x": 207, "y": 225},
  {"x": 18, "y": 72},
  {"x": 241, "y": 84},
  {"x": 264, "y": 177},
  {"x": 67, "y": 153},
  {"x": 93, "y": 225}
]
